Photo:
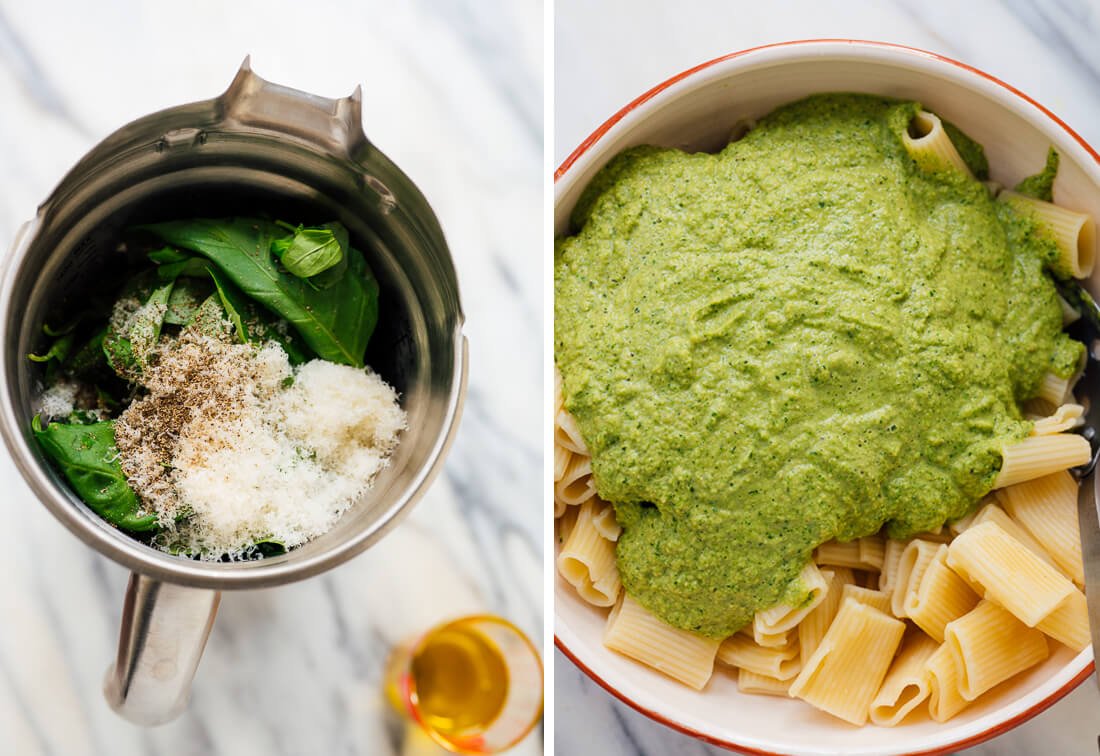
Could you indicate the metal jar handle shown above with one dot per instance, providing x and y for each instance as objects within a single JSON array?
[{"x": 163, "y": 633}]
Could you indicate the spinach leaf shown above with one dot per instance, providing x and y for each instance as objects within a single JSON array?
[
  {"x": 210, "y": 317},
  {"x": 193, "y": 267},
  {"x": 129, "y": 344},
  {"x": 336, "y": 323},
  {"x": 168, "y": 255},
  {"x": 90, "y": 356},
  {"x": 183, "y": 303},
  {"x": 233, "y": 302},
  {"x": 88, "y": 459},
  {"x": 254, "y": 324},
  {"x": 268, "y": 547},
  {"x": 59, "y": 350},
  {"x": 310, "y": 251}
]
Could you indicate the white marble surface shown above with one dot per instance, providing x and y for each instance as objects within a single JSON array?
[
  {"x": 607, "y": 53},
  {"x": 453, "y": 93}
]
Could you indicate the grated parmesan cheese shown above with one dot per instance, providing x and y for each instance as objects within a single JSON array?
[
  {"x": 59, "y": 400},
  {"x": 232, "y": 446}
]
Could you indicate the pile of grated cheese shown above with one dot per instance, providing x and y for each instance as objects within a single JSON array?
[{"x": 232, "y": 446}]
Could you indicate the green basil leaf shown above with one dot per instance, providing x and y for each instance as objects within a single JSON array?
[
  {"x": 210, "y": 317},
  {"x": 192, "y": 267},
  {"x": 336, "y": 323},
  {"x": 311, "y": 251},
  {"x": 233, "y": 302},
  {"x": 168, "y": 255},
  {"x": 187, "y": 295},
  {"x": 88, "y": 458},
  {"x": 128, "y": 345},
  {"x": 59, "y": 350},
  {"x": 268, "y": 547},
  {"x": 89, "y": 357}
]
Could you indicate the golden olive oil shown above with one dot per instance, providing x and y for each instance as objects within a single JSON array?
[{"x": 460, "y": 680}]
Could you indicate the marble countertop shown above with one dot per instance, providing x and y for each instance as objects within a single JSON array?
[
  {"x": 453, "y": 93},
  {"x": 608, "y": 53}
]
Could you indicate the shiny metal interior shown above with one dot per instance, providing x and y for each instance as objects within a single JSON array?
[{"x": 258, "y": 147}]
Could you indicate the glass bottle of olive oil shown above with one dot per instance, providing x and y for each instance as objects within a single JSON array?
[{"x": 473, "y": 684}]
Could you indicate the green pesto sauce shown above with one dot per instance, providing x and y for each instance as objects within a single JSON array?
[
  {"x": 799, "y": 338},
  {"x": 1041, "y": 185}
]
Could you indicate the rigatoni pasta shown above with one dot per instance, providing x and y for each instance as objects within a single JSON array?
[
  {"x": 780, "y": 619},
  {"x": 929, "y": 145},
  {"x": 916, "y": 557},
  {"x": 1036, "y": 456},
  {"x": 844, "y": 673},
  {"x": 1047, "y": 509},
  {"x": 1004, "y": 570},
  {"x": 740, "y": 650},
  {"x": 1073, "y": 232},
  {"x": 940, "y": 597},
  {"x": 907, "y": 684},
  {"x": 988, "y": 645},
  {"x": 587, "y": 559},
  {"x": 636, "y": 633}
]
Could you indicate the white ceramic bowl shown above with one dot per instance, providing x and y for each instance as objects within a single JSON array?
[{"x": 695, "y": 110}]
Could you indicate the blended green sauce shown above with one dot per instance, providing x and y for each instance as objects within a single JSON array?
[{"x": 802, "y": 337}]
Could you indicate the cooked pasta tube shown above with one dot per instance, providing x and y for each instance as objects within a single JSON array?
[
  {"x": 587, "y": 559},
  {"x": 967, "y": 520},
  {"x": 1005, "y": 571},
  {"x": 928, "y": 144},
  {"x": 1073, "y": 232},
  {"x": 872, "y": 551},
  {"x": 944, "y": 699},
  {"x": 891, "y": 557},
  {"x": 1069, "y": 623},
  {"x": 740, "y": 650},
  {"x": 811, "y": 588},
  {"x": 940, "y": 597},
  {"x": 605, "y": 522},
  {"x": 1065, "y": 418},
  {"x": 842, "y": 676},
  {"x": 1070, "y": 314},
  {"x": 914, "y": 561},
  {"x": 779, "y": 639},
  {"x": 1056, "y": 389},
  {"x": 1036, "y": 456},
  {"x": 683, "y": 656},
  {"x": 812, "y": 628},
  {"x": 876, "y": 599},
  {"x": 990, "y": 645},
  {"x": 1047, "y": 509},
  {"x": 1038, "y": 408},
  {"x": 561, "y": 461},
  {"x": 860, "y": 554},
  {"x": 993, "y": 513},
  {"x": 576, "y": 485},
  {"x": 906, "y": 685},
  {"x": 751, "y": 682},
  {"x": 567, "y": 434},
  {"x": 564, "y": 524}
]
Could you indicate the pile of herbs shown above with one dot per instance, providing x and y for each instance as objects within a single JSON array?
[{"x": 305, "y": 287}]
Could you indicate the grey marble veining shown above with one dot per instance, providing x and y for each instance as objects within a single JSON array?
[
  {"x": 451, "y": 92},
  {"x": 608, "y": 53}
]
